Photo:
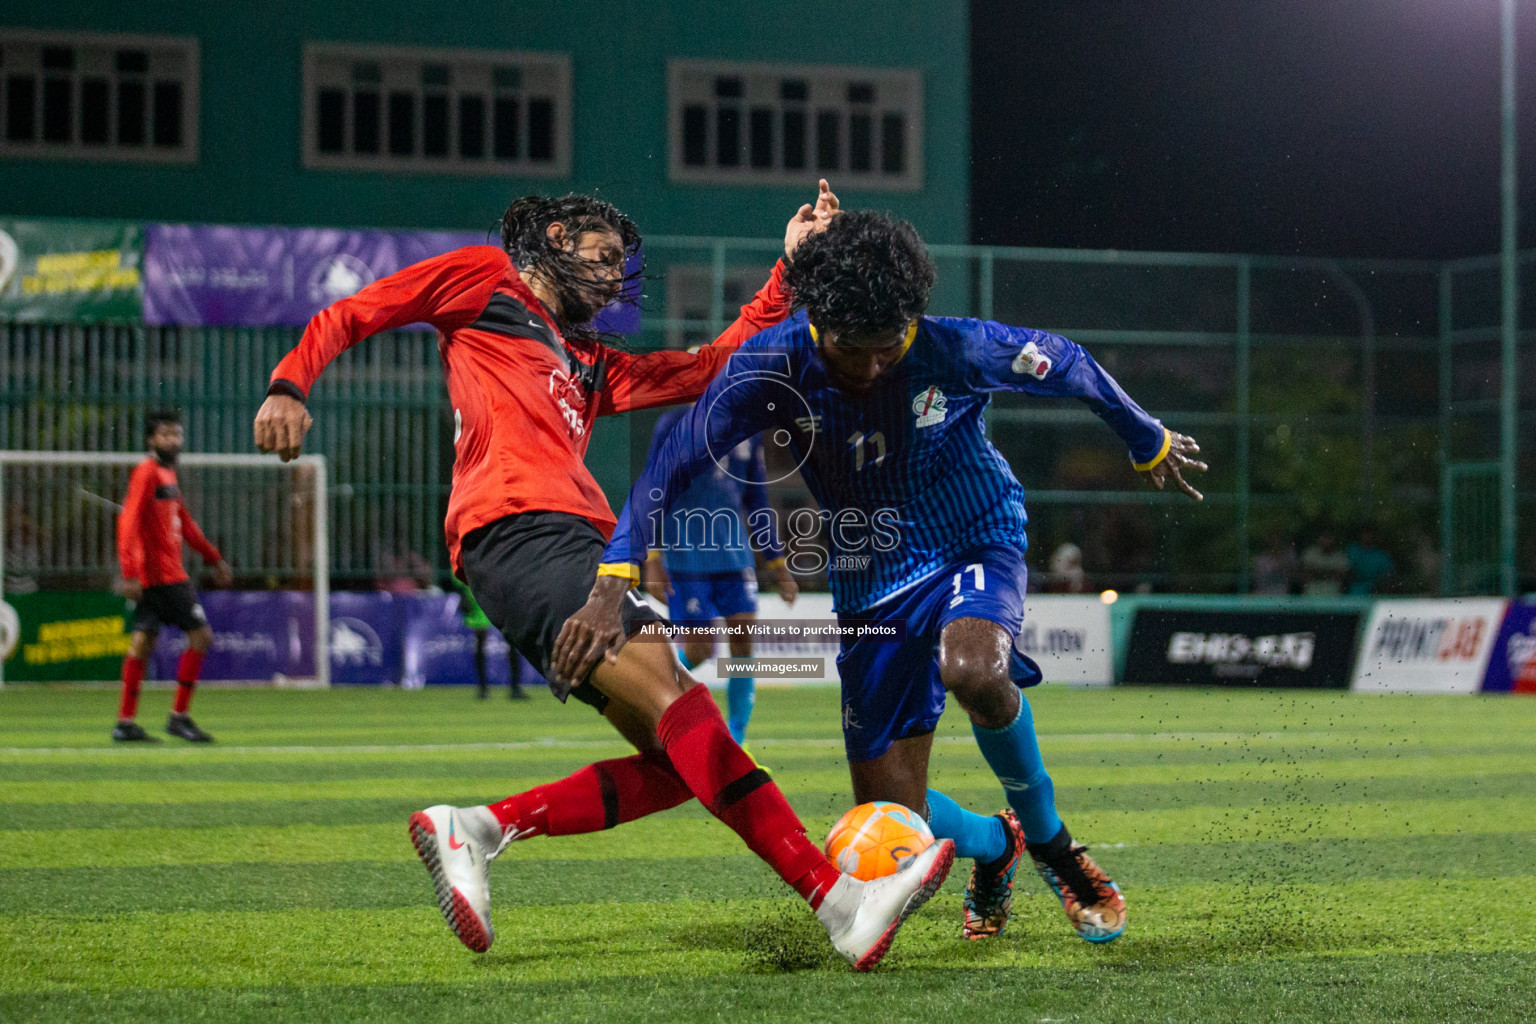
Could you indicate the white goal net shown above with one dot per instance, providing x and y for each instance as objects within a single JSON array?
[{"x": 59, "y": 568}]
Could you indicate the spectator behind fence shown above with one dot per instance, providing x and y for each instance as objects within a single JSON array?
[
  {"x": 1274, "y": 568},
  {"x": 1369, "y": 564},
  {"x": 1067, "y": 575},
  {"x": 23, "y": 553},
  {"x": 403, "y": 570},
  {"x": 1324, "y": 567}
]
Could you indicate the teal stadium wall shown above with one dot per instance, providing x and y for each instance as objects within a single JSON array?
[
  {"x": 250, "y": 169},
  {"x": 251, "y": 172}
]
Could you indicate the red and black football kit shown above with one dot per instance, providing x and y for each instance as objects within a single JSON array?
[
  {"x": 150, "y": 531},
  {"x": 526, "y": 520},
  {"x": 527, "y": 523}
]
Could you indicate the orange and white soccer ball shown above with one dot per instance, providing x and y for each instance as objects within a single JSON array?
[{"x": 877, "y": 839}]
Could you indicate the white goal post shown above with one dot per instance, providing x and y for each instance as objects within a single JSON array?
[{"x": 61, "y": 521}]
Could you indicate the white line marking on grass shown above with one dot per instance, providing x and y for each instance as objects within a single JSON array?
[
  {"x": 547, "y": 742},
  {"x": 551, "y": 743}
]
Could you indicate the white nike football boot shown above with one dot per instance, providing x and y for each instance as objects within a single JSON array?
[
  {"x": 862, "y": 917},
  {"x": 456, "y": 844}
]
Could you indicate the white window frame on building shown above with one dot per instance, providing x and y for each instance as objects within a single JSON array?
[
  {"x": 735, "y": 123},
  {"x": 98, "y": 96},
  {"x": 690, "y": 290},
  {"x": 444, "y": 111}
]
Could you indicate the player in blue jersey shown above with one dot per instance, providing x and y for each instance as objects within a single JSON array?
[
  {"x": 883, "y": 407},
  {"x": 706, "y": 570}
]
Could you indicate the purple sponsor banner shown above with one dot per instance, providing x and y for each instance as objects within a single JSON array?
[
  {"x": 256, "y": 635},
  {"x": 365, "y": 638},
  {"x": 376, "y": 639},
  {"x": 208, "y": 274},
  {"x": 1512, "y": 665},
  {"x": 440, "y": 650}
]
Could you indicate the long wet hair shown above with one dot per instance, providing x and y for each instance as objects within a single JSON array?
[{"x": 525, "y": 236}]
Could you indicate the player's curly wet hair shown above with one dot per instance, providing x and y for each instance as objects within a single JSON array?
[
  {"x": 867, "y": 273},
  {"x": 524, "y": 234}
]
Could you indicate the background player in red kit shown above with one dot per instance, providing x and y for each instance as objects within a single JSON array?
[
  {"x": 153, "y": 523},
  {"x": 526, "y": 527}
]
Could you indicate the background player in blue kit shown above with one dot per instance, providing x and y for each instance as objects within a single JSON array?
[
  {"x": 705, "y": 569},
  {"x": 883, "y": 407}
]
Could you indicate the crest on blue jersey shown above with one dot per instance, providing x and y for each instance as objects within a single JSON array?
[{"x": 929, "y": 407}]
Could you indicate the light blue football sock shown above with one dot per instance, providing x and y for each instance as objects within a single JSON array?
[
  {"x": 688, "y": 663},
  {"x": 740, "y": 696},
  {"x": 979, "y": 838},
  {"x": 1014, "y": 755}
]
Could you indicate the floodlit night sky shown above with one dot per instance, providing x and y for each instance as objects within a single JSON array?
[{"x": 1328, "y": 127}]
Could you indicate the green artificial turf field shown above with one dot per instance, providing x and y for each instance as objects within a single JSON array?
[{"x": 1285, "y": 856}]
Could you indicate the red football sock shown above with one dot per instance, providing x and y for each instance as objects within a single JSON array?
[
  {"x": 599, "y": 796},
  {"x": 187, "y": 670},
  {"x": 741, "y": 794},
  {"x": 133, "y": 679}
]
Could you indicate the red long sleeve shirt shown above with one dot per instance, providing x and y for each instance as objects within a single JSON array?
[
  {"x": 152, "y": 525},
  {"x": 524, "y": 397}
]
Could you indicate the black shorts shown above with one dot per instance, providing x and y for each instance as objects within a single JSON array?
[
  {"x": 532, "y": 571},
  {"x": 169, "y": 604}
]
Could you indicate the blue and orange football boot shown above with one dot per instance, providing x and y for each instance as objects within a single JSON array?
[
  {"x": 989, "y": 895},
  {"x": 1092, "y": 901}
]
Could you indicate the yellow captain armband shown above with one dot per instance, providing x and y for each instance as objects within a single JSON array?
[
  {"x": 653, "y": 555},
  {"x": 774, "y": 565},
  {"x": 1162, "y": 453},
  {"x": 628, "y": 570}
]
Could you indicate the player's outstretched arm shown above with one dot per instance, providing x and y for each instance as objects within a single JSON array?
[
  {"x": 1003, "y": 358},
  {"x": 223, "y": 576},
  {"x": 446, "y": 291},
  {"x": 1175, "y": 461},
  {"x": 811, "y": 218},
  {"x": 281, "y": 423},
  {"x": 671, "y": 377}
]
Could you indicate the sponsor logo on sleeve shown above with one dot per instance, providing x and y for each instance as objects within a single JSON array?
[{"x": 1030, "y": 361}]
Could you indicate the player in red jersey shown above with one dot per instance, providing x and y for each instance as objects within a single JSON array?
[
  {"x": 153, "y": 523},
  {"x": 526, "y": 527}
]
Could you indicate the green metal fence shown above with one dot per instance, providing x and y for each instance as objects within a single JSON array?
[
  {"x": 1326, "y": 394},
  {"x": 379, "y": 420}
]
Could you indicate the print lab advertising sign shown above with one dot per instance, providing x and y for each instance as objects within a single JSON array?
[
  {"x": 1254, "y": 648},
  {"x": 1415, "y": 646}
]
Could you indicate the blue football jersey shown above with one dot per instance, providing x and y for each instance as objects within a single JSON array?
[
  {"x": 904, "y": 473},
  {"x": 712, "y": 525}
]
